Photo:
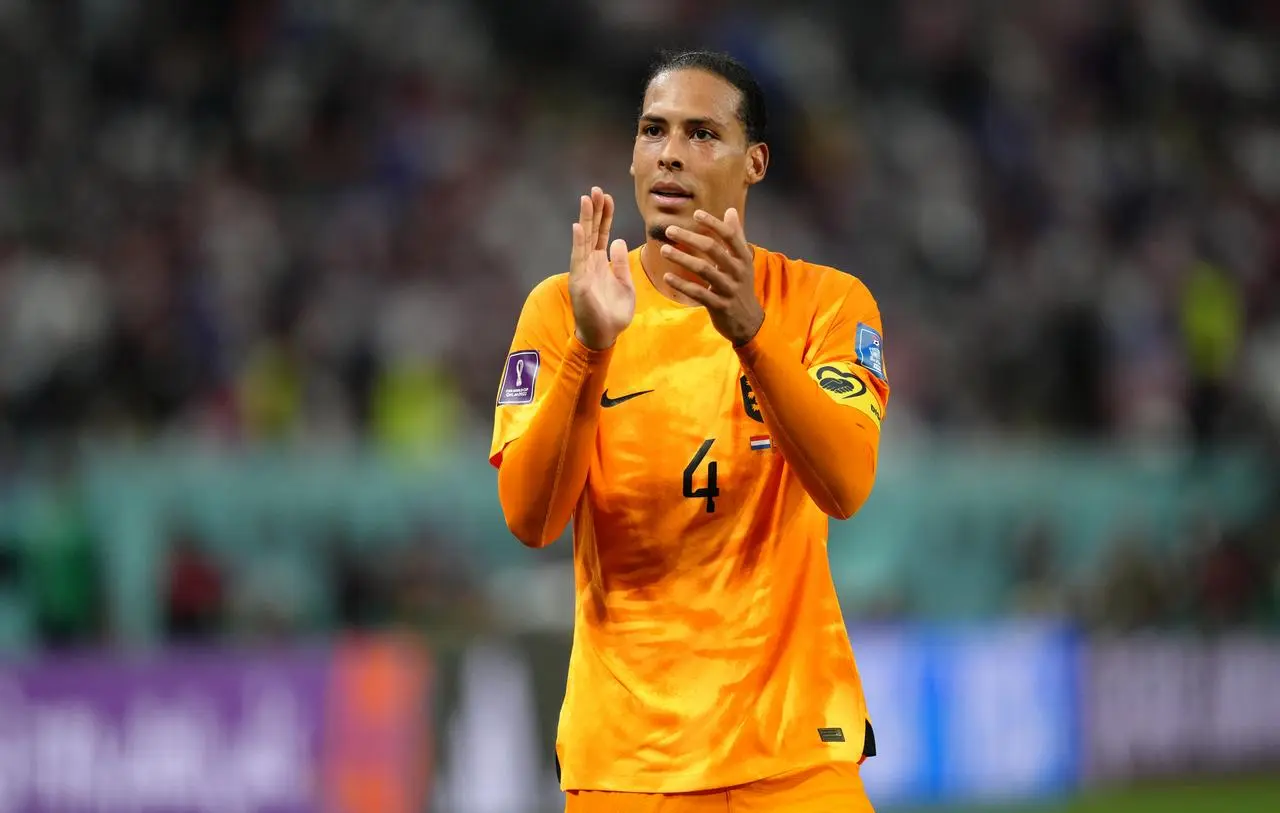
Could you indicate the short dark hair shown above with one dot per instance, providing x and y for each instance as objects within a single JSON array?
[{"x": 751, "y": 107}]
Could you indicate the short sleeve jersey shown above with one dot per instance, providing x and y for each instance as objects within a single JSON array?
[{"x": 709, "y": 648}]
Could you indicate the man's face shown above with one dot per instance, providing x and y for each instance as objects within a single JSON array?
[{"x": 691, "y": 151}]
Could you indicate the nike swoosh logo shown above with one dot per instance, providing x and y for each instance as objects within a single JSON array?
[{"x": 606, "y": 401}]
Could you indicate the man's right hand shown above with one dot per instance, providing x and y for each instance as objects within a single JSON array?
[{"x": 600, "y": 287}]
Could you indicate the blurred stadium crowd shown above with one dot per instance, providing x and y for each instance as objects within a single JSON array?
[{"x": 314, "y": 223}]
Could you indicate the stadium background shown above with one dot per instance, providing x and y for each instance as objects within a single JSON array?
[{"x": 259, "y": 264}]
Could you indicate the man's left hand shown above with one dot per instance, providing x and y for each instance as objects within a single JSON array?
[{"x": 728, "y": 267}]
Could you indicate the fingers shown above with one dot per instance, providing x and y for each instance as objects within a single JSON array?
[
  {"x": 619, "y": 262},
  {"x": 729, "y": 230},
  {"x": 585, "y": 219},
  {"x": 716, "y": 278},
  {"x": 693, "y": 290},
  {"x": 733, "y": 221},
  {"x": 597, "y": 216},
  {"x": 606, "y": 223},
  {"x": 579, "y": 249},
  {"x": 710, "y": 246}
]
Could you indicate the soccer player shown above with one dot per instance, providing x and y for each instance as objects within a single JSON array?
[{"x": 698, "y": 407}]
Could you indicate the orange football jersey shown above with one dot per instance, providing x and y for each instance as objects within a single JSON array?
[{"x": 709, "y": 648}]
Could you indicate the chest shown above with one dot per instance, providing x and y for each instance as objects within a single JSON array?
[{"x": 681, "y": 429}]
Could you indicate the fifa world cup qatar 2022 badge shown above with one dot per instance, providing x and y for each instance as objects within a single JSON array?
[
  {"x": 870, "y": 350},
  {"x": 519, "y": 378}
]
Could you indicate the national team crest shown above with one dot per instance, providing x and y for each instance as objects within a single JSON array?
[
  {"x": 870, "y": 351},
  {"x": 519, "y": 378}
]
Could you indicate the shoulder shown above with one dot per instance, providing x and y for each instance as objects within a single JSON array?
[
  {"x": 552, "y": 289},
  {"x": 547, "y": 310},
  {"x": 805, "y": 279},
  {"x": 549, "y": 298}
]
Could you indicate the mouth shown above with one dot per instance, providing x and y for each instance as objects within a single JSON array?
[{"x": 670, "y": 194}]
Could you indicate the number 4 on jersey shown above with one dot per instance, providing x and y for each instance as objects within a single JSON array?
[{"x": 710, "y": 491}]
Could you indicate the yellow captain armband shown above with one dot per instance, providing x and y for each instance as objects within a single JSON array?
[{"x": 844, "y": 386}]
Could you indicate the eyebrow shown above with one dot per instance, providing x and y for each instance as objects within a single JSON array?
[{"x": 649, "y": 118}]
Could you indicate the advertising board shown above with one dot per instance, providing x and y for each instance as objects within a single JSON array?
[{"x": 214, "y": 732}]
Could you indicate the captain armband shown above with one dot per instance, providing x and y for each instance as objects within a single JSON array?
[{"x": 842, "y": 385}]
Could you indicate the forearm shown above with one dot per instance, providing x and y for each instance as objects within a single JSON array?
[
  {"x": 832, "y": 447},
  {"x": 544, "y": 471}
]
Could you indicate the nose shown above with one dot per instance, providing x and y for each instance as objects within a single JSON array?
[{"x": 669, "y": 158}]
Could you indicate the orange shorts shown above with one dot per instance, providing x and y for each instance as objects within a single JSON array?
[{"x": 835, "y": 788}]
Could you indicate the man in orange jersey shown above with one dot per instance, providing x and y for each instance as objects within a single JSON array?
[{"x": 699, "y": 407}]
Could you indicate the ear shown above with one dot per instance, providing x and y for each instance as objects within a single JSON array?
[
  {"x": 632, "y": 169},
  {"x": 757, "y": 162}
]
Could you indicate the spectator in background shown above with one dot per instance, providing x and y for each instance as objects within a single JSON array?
[
  {"x": 1135, "y": 592},
  {"x": 297, "y": 215},
  {"x": 361, "y": 596},
  {"x": 1212, "y": 314},
  {"x": 194, "y": 596},
  {"x": 1039, "y": 586},
  {"x": 277, "y": 595},
  {"x": 57, "y": 558},
  {"x": 1227, "y": 581},
  {"x": 433, "y": 593},
  {"x": 290, "y": 223},
  {"x": 62, "y": 571}
]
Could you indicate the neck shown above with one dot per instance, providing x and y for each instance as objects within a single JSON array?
[{"x": 656, "y": 267}]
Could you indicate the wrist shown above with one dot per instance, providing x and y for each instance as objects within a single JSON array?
[
  {"x": 595, "y": 344},
  {"x": 749, "y": 331},
  {"x": 763, "y": 339}
]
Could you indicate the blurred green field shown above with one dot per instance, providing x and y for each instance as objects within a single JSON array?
[{"x": 1252, "y": 795}]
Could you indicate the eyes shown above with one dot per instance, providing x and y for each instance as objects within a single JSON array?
[{"x": 655, "y": 131}]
